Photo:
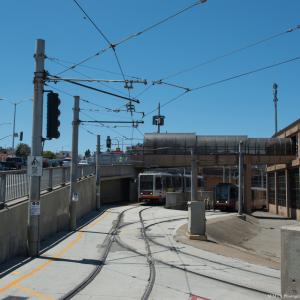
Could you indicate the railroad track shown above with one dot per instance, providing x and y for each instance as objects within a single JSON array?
[
  {"x": 108, "y": 244},
  {"x": 132, "y": 249}
]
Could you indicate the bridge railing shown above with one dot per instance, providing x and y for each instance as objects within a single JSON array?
[{"x": 15, "y": 184}]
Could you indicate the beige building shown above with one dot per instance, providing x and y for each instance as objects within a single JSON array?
[{"x": 283, "y": 181}]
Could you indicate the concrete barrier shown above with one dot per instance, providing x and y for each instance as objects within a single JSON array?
[
  {"x": 55, "y": 211},
  {"x": 290, "y": 263},
  {"x": 176, "y": 200}
]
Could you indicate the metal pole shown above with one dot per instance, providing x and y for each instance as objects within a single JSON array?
[
  {"x": 73, "y": 196},
  {"x": 14, "y": 128},
  {"x": 194, "y": 181},
  {"x": 224, "y": 175},
  {"x": 36, "y": 150},
  {"x": 158, "y": 126},
  {"x": 98, "y": 182},
  {"x": 240, "y": 195},
  {"x": 275, "y": 86}
]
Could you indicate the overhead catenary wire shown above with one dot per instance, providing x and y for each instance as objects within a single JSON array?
[
  {"x": 82, "y": 99},
  {"x": 98, "y": 90},
  {"x": 134, "y": 35},
  {"x": 232, "y": 52},
  {"x": 98, "y": 125},
  {"x": 62, "y": 61},
  {"x": 85, "y": 75},
  {"x": 224, "y": 80},
  {"x": 111, "y": 46}
]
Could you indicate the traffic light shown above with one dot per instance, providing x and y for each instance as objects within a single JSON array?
[
  {"x": 108, "y": 142},
  {"x": 53, "y": 113},
  {"x": 21, "y": 136}
]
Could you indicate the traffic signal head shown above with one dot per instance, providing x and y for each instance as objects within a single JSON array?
[
  {"x": 53, "y": 113},
  {"x": 108, "y": 142},
  {"x": 21, "y": 136}
]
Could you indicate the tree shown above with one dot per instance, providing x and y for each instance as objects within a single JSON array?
[
  {"x": 22, "y": 150},
  {"x": 48, "y": 154},
  {"x": 87, "y": 153}
]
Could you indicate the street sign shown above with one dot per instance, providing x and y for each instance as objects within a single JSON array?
[
  {"x": 34, "y": 165},
  {"x": 35, "y": 208},
  {"x": 75, "y": 197}
]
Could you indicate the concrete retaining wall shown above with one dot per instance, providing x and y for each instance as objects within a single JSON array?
[
  {"x": 55, "y": 212},
  {"x": 13, "y": 231},
  {"x": 290, "y": 264}
]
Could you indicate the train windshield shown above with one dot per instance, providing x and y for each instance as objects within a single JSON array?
[
  {"x": 158, "y": 183},
  {"x": 222, "y": 192},
  {"x": 146, "y": 182}
]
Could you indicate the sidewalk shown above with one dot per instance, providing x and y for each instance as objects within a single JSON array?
[{"x": 255, "y": 240}]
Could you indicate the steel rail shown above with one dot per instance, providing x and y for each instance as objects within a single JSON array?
[
  {"x": 150, "y": 259},
  {"x": 129, "y": 248},
  {"x": 108, "y": 241}
]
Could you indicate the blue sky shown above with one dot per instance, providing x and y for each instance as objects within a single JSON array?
[{"x": 241, "y": 106}]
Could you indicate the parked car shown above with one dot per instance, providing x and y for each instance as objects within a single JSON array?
[
  {"x": 53, "y": 163},
  {"x": 46, "y": 163},
  {"x": 16, "y": 162},
  {"x": 66, "y": 162},
  {"x": 83, "y": 162},
  {"x": 6, "y": 166}
]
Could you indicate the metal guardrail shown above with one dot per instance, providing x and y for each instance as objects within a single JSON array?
[{"x": 15, "y": 184}]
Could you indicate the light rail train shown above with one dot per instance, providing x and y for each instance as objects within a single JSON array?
[{"x": 153, "y": 185}]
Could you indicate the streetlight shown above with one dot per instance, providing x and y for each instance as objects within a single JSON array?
[{"x": 14, "y": 118}]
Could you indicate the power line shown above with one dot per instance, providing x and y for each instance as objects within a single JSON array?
[
  {"x": 261, "y": 41},
  {"x": 97, "y": 90},
  {"x": 55, "y": 59},
  {"x": 106, "y": 39},
  {"x": 111, "y": 129},
  {"x": 134, "y": 35},
  {"x": 85, "y": 75},
  {"x": 107, "y": 109},
  {"x": 225, "y": 80}
]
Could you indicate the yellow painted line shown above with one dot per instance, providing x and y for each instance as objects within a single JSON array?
[
  {"x": 51, "y": 260},
  {"x": 15, "y": 273},
  {"x": 33, "y": 293}
]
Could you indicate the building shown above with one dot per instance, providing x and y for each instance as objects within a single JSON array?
[{"x": 283, "y": 182}]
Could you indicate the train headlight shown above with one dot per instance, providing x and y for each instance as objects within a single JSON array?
[
  {"x": 142, "y": 193},
  {"x": 226, "y": 202},
  {"x": 217, "y": 201}
]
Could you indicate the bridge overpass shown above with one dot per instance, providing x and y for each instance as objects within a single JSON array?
[{"x": 174, "y": 150}]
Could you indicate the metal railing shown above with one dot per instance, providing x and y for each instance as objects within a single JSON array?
[{"x": 15, "y": 184}]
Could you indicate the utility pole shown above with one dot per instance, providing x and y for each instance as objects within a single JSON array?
[
  {"x": 36, "y": 150},
  {"x": 241, "y": 181},
  {"x": 275, "y": 99},
  {"x": 73, "y": 196},
  {"x": 14, "y": 127},
  {"x": 98, "y": 181},
  {"x": 158, "y": 126}
]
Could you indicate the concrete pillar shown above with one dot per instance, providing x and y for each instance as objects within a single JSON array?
[
  {"x": 275, "y": 183},
  {"x": 247, "y": 188},
  {"x": 267, "y": 190},
  {"x": 298, "y": 137},
  {"x": 287, "y": 194},
  {"x": 196, "y": 209},
  {"x": 290, "y": 263},
  {"x": 197, "y": 221}
]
